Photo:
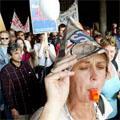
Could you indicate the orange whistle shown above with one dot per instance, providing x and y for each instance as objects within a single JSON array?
[{"x": 94, "y": 94}]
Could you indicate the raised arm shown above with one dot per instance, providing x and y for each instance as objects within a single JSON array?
[{"x": 57, "y": 87}]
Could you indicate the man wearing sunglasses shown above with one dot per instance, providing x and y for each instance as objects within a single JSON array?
[
  {"x": 4, "y": 59},
  {"x": 4, "y": 38}
]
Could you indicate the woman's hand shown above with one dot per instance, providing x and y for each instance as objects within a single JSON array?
[
  {"x": 15, "y": 114},
  {"x": 57, "y": 82},
  {"x": 57, "y": 88}
]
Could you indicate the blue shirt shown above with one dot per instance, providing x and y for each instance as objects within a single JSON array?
[{"x": 110, "y": 88}]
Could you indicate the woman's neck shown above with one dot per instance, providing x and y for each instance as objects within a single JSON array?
[{"x": 81, "y": 110}]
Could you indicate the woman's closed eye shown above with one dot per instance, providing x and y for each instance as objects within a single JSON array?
[
  {"x": 83, "y": 68},
  {"x": 100, "y": 67}
]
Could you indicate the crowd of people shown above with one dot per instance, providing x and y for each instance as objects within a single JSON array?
[{"x": 52, "y": 80}]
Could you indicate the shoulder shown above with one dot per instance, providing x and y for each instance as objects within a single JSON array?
[
  {"x": 5, "y": 70},
  {"x": 107, "y": 107},
  {"x": 6, "y": 67},
  {"x": 36, "y": 115},
  {"x": 1, "y": 51}
]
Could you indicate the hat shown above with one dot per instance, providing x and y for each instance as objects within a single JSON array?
[
  {"x": 86, "y": 49},
  {"x": 81, "y": 44}
]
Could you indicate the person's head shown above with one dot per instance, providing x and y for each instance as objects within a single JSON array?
[
  {"x": 41, "y": 37},
  {"x": 61, "y": 29},
  {"x": 87, "y": 31},
  {"x": 98, "y": 38},
  {"x": 91, "y": 70},
  {"x": 21, "y": 43},
  {"x": 4, "y": 38},
  {"x": 110, "y": 46},
  {"x": 20, "y": 35},
  {"x": 28, "y": 36},
  {"x": 114, "y": 28},
  {"x": 53, "y": 35},
  {"x": 15, "y": 52},
  {"x": 12, "y": 35},
  {"x": 114, "y": 25}
]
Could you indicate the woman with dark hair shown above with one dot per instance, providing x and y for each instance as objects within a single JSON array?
[{"x": 26, "y": 56}]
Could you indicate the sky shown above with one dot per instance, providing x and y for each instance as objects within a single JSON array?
[{"x": 88, "y": 11}]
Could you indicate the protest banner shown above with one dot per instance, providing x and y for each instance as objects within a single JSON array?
[
  {"x": 16, "y": 24},
  {"x": 71, "y": 12},
  {"x": 40, "y": 24},
  {"x": 2, "y": 25},
  {"x": 26, "y": 27}
]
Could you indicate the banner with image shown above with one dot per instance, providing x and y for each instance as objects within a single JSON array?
[
  {"x": 16, "y": 23},
  {"x": 40, "y": 24},
  {"x": 71, "y": 12},
  {"x": 27, "y": 26}
]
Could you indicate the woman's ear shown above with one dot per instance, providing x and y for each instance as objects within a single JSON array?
[{"x": 108, "y": 75}]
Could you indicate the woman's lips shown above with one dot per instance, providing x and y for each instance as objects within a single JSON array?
[{"x": 94, "y": 94}]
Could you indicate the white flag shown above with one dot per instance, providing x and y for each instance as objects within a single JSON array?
[
  {"x": 2, "y": 26},
  {"x": 16, "y": 24}
]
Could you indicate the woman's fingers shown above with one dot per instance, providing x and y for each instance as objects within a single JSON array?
[
  {"x": 66, "y": 59},
  {"x": 64, "y": 65},
  {"x": 57, "y": 76}
]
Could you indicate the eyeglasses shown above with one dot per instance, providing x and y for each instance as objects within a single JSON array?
[{"x": 4, "y": 38}]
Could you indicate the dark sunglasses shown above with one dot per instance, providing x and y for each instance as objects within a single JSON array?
[{"x": 4, "y": 38}]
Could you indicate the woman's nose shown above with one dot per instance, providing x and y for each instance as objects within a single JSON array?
[{"x": 93, "y": 74}]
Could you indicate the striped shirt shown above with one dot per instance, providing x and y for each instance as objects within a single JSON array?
[{"x": 20, "y": 87}]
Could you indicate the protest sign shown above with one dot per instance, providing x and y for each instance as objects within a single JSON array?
[
  {"x": 71, "y": 12},
  {"x": 16, "y": 24},
  {"x": 2, "y": 26},
  {"x": 40, "y": 24},
  {"x": 26, "y": 27}
]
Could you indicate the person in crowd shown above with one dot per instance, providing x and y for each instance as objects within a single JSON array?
[
  {"x": 19, "y": 85},
  {"x": 88, "y": 30},
  {"x": 45, "y": 55},
  {"x": 117, "y": 36},
  {"x": 12, "y": 35},
  {"x": 21, "y": 35},
  {"x": 114, "y": 29},
  {"x": 73, "y": 82},
  {"x": 60, "y": 44},
  {"x": 98, "y": 37},
  {"x": 30, "y": 37},
  {"x": 112, "y": 85},
  {"x": 4, "y": 59},
  {"x": 53, "y": 38},
  {"x": 5, "y": 38},
  {"x": 26, "y": 56}
]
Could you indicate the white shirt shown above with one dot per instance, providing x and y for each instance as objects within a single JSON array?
[
  {"x": 28, "y": 45},
  {"x": 65, "y": 114},
  {"x": 40, "y": 53}
]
